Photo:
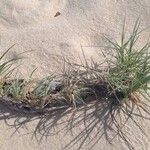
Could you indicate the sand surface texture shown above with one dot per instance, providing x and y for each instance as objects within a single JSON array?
[{"x": 56, "y": 28}]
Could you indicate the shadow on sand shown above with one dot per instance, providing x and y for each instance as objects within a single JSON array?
[{"x": 98, "y": 120}]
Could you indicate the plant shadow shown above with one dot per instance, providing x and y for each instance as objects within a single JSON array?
[{"x": 98, "y": 119}]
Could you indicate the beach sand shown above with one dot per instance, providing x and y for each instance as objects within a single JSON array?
[{"x": 51, "y": 30}]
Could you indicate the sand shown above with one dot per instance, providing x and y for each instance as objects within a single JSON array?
[{"x": 32, "y": 25}]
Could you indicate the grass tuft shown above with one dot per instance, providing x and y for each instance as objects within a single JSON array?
[{"x": 131, "y": 72}]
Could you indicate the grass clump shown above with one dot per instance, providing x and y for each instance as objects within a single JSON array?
[
  {"x": 74, "y": 90},
  {"x": 29, "y": 91},
  {"x": 131, "y": 72},
  {"x": 15, "y": 89},
  {"x": 126, "y": 77},
  {"x": 6, "y": 68},
  {"x": 43, "y": 87}
]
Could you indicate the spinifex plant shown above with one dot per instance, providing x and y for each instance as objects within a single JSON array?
[{"x": 131, "y": 72}]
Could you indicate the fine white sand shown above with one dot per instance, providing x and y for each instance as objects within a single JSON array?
[{"x": 31, "y": 25}]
